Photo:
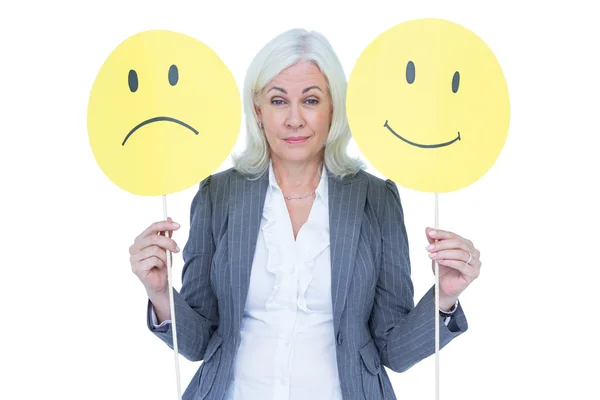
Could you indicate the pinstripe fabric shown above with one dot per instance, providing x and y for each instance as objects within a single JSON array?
[{"x": 376, "y": 322}]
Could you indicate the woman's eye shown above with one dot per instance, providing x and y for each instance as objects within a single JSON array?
[
  {"x": 277, "y": 102},
  {"x": 312, "y": 101}
]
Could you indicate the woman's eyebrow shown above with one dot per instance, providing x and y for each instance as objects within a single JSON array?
[
  {"x": 311, "y": 87},
  {"x": 277, "y": 88}
]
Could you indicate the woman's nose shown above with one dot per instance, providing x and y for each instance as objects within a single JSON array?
[{"x": 295, "y": 119}]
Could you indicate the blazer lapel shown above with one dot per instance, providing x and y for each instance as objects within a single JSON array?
[
  {"x": 346, "y": 209},
  {"x": 246, "y": 202}
]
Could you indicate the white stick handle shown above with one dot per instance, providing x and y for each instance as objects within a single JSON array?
[
  {"x": 172, "y": 304},
  {"x": 437, "y": 315}
]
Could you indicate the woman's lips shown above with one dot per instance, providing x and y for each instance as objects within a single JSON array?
[{"x": 296, "y": 139}]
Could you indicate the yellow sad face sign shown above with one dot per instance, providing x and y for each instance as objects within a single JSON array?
[
  {"x": 163, "y": 114},
  {"x": 428, "y": 105}
]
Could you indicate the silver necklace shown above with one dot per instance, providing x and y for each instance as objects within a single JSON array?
[{"x": 298, "y": 198}]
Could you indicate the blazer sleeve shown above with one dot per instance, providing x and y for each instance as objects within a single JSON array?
[
  {"x": 404, "y": 334},
  {"x": 196, "y": 308}
]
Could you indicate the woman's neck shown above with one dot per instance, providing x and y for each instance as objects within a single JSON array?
[{"x": 297, "y": 178}]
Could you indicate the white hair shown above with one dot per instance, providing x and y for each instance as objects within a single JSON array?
[{"x": 280, "y": 53}]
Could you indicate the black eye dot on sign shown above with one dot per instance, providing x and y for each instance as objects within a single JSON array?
[
  {"x": 173, "y": 75},
  {"x": 455, "y": 82},
  {"x": 133, "y": 80},
  {"x": 410, "y": 72}
]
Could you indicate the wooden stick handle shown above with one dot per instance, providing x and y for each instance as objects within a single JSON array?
[
  {"x": 172, "y": 304},
  {"x": 437, "y": 314}
]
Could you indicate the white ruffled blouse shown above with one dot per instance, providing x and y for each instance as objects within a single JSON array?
[{"x": 287, "y": 351}]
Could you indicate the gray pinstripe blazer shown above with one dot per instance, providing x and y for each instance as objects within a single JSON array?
[{"x": 376, "y": 323}]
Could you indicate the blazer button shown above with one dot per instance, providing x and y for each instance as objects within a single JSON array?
[
  {"x": 340, "y": 339},
  {"x": 377, "y": 365}
]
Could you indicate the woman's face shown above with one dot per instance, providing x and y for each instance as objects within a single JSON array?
[{"x": 296, "y": 110}]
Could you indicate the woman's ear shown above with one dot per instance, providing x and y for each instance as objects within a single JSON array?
[{"x": 258, "y": 113}]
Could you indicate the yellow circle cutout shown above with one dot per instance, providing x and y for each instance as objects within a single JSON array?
[
  {"x": 428, "y": 105},
  {"x": 164, "y": 113}
]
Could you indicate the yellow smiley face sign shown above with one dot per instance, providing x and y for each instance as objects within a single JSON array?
[
  {"x": 428, "y": 105},
  {"x": 163, "y": 114}
]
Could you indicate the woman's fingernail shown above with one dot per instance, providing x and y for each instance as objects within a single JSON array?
[
  {"x": 432, "y": 255},
  {"x": 430, "y": 247},
  {"x": 175, "y": 224},
  {"x": 177, "y": 248},
  {"x": 432, "y": 233}
]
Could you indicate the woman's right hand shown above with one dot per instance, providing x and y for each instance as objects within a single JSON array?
[{"x": 148, "y": 256}]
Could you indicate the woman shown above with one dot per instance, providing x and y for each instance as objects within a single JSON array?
[{"x": 296, "y": 282}]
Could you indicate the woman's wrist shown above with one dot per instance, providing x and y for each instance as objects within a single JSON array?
[
  {"x": 448, "y": 304},
  {"x": 161, "y": 303}
]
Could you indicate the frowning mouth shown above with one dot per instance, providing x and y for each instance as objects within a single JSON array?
[
  {"x": 157, "y": 119},
  {"x": 425, "y": 146}
]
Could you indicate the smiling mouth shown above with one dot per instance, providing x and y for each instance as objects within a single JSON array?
[
  {"x": 425, "y": 146},
  {"x": 157, "y": 119}
]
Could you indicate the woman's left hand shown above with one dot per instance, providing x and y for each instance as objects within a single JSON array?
[{"x": 458, "y": 261}]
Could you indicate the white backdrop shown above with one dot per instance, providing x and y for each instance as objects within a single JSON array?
[{"x": 74, "y": 314}]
